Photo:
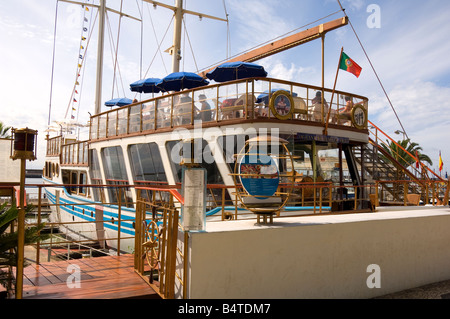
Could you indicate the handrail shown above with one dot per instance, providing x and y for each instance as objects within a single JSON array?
[
  {"x": 166, "y": 112},
  {"x": 394, "y": 160},
  {"x": 398, "y": 145}
]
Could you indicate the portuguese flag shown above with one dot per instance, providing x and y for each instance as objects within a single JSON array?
[{"x": 349, "y": 65}]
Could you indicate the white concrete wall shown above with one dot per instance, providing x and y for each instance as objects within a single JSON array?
[{"x": 321, "y": 256}]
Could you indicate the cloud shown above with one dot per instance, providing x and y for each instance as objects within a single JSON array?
[
  {"x": 422, "y": 107},
  {"x": 354, "y": 5},
  {"x": 279, "y": 69},
  {"x": 257, "y": 21},
  {"x": 411, "y": 46}
]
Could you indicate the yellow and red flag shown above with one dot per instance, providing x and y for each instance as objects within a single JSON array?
[
  {"x": 441, "y": 163},
  {"x": 417, "y": 160}
]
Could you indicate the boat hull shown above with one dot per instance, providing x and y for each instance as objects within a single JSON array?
[{"x": 85, "y": 220}]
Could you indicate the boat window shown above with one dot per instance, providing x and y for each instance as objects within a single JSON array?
[
  {"x": 66, "y": 180},
  {"x": 70, "y": 178},
  {"x": 82, "y": 182},
  {"x": 231, "y": 145},
  {"x": 147, "y": 166},
  {"x": 115, "y": 172},
  {"x": 204, "y": 158},
  {"x": 234, "y": 144},
  {"x": 146, "y": 163},
  {"x": 73, "y": 181},
  {"x": 47, "y": 170},
  {"x": 96, "y": 177},
  {"x": 174, "y": 151}
]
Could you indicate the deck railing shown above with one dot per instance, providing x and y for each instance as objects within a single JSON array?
[
  {"x": 160, "y": 255},
  {"x": 54, "y": 146},
  {"x": 237, "y": 100},
  {"x": 165, "y": 202},
  {"x": 398, "y": 193},
  {"x": 75, "y": 153},
  {"x": 401, "y": 155}
]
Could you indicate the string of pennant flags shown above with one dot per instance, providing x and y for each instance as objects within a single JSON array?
[{"x": 81, "y": 56}]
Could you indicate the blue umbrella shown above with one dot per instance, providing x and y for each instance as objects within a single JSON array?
[
  {"x": 264, "y": 97},
  {"x": 119, "y": 102},
  {"x": 146, "y": 86},
  {"x": 236, "y": 70},
  {"x": 181, "y": 80}
]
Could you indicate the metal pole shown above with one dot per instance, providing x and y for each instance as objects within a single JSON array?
[
  {"x": 176, "y": 56},
  {"x": 101, "y": 41},
  {"x": 325, "y": 132},
  {"x": 119, "y": 219},
  {"x": 38, "y": 244},
  {"x": 323, "y": 76},
  {"x": 21, "y": 232}
]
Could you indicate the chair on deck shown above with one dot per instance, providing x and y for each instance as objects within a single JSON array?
[
  {"x": 413, "y": 199},
  {"x": 183, "y": 111},
  {"x": 315, "y": 113},
  {"x": 300, "y": 108},
  {"x": 246, "y": 100}
]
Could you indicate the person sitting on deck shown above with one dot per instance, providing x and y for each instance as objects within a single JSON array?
[
  {"x": 317, "y": 106},
  {"x": 206, "y": 114},
  {"x": 346, "y": 113},
  {"x": 183, "y": 109}
]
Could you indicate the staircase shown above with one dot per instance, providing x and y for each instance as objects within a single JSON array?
[
  {"x": 379, "y": 168},
  {"x": 380, "y": 165}
]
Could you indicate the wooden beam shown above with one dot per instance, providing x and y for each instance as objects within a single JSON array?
[
  {"x": 200, "y": 15},
  {"x": 97, "y": 6},
  {"x": 286, "y": 43}
]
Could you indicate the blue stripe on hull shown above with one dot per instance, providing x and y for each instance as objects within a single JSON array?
[{"x": 77, "y": 211}]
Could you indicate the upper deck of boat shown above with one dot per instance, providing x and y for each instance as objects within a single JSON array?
[
  {"x": 232, "y": 102},
  {"x": 264, "y": 100}
]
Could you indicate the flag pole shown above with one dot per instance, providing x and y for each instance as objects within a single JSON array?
[{"x": 325, "y": 131}]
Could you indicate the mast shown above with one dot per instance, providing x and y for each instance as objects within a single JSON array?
[
  {"x": 101, "y": 41},
  {"x": 176, "y": 54},
  {"x": 179, "y": 13}
]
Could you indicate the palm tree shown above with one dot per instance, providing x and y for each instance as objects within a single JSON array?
[
  {"x": 4, "y": 130},
  {"x": 400, "y": 151},
  {"x": 8, "y": 241}
]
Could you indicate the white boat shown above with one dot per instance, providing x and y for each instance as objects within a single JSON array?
[{"x": 140, "y": 143}]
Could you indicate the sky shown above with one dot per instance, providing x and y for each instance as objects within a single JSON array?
[{"x": 407, "y": 42}]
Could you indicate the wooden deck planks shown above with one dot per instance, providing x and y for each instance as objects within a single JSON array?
[{"x": 111, "y": 277}]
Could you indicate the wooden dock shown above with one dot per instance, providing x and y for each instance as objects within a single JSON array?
[{"x": 110, "y": 277}]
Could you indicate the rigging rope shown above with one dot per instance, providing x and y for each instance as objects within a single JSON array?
[
  {"x": 373, "y": 68},
  {"x": 117, "y": 50},
  {"x": 272, "y": 40},
  {"x": 184, "y": 33},
  {"x": 84, "y": 58},
  {"x": 82, "y": 61},
  {"x": 228, "y": 49},
  {"x": 141, "y": 15},
  {"x": 190, "y": 45},
  {"x": 158, "y": 50},
  {"x": 113, "y": 49},
  {"x": 53, "y": 64}
]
